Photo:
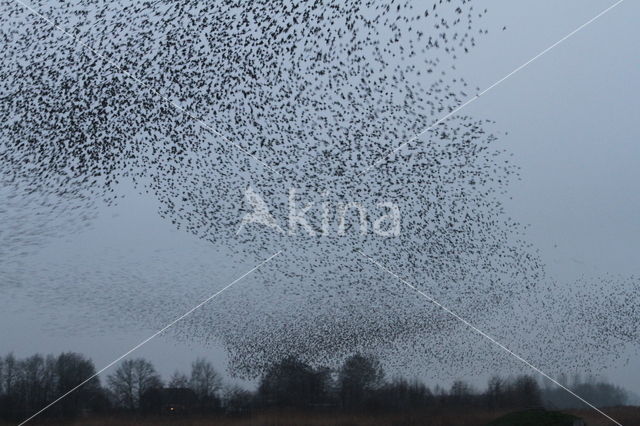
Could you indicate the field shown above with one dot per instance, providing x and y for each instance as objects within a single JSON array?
[{"x": 628, "y": 416}]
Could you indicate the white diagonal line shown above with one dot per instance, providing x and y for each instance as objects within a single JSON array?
[
  {"x": 128, "y": 74},
  {"x": 157, "y": 333},
  {"x": 390, "y": 153},
  {"x": 485, "y": 335}
]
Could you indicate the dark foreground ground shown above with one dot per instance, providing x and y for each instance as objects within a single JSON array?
[{"x": 628, "y": 416}]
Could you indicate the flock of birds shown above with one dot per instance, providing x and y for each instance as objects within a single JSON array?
[{"x": 196, "y": 101}]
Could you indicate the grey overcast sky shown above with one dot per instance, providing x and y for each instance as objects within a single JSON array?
[{"x": 572, "y": 123}]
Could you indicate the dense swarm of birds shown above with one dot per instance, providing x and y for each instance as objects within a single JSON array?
[
  {"x": 199, "y": 102},
  {"x": 31, "y": 219}
]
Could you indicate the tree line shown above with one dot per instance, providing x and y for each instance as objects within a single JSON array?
[{"x": 29, "y": 384}]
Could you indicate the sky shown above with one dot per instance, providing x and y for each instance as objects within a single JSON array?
[{"x": 571, "y": 123}]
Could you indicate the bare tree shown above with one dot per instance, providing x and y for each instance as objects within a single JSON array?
[
  {"x": 598, "y": 392},
  {"x": 359, "y": 375},
  {"x": 526, "y": 392},
  {"x": 70, "y": 370},
  {"x": 293, "y": 383},
  {"x": 238, "y": 400},
  {"x": 205, "y": 382},
  {"x": 131, "y": 380},
  {"x": 494, "y": 394},
  {"x": 2, "y": 367},
  {"x": 9, "y": 397},
  {"x": 178, "y": 380},
  {"x": 9, "y": 374},
  {"x": 461, "y": 393},
  {"x": 36, "y": 380}
]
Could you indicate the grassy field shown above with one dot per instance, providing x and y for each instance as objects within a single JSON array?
[{"x": 628, "y": 416}]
